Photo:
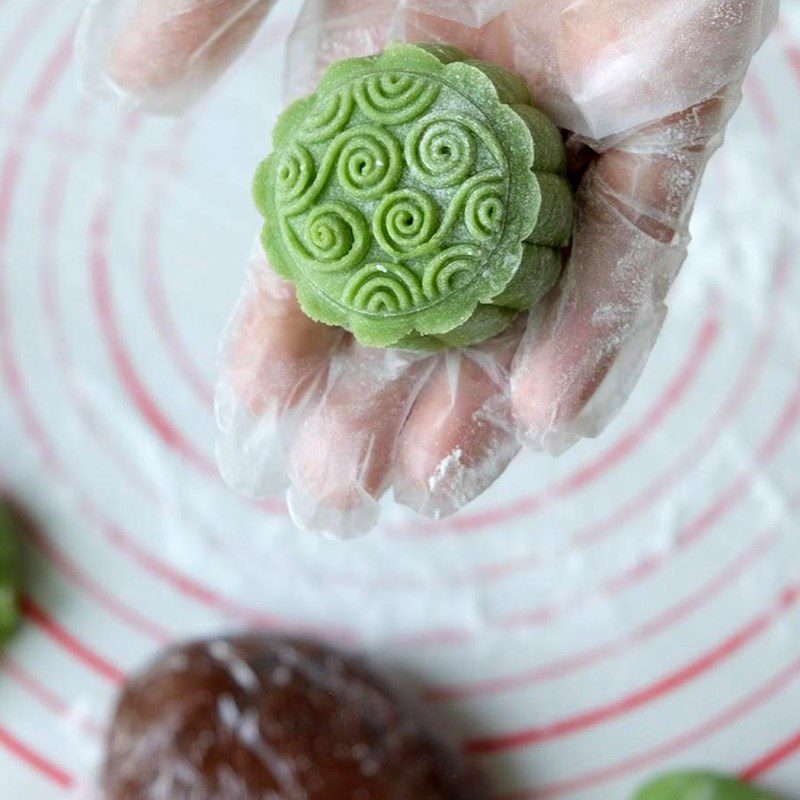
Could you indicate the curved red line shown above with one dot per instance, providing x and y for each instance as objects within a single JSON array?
[
  {"x": 786, "y": 749},
  {"x": 129, "y": 377},
  {"x": 276, "y": 29},
  {"x": 761, "y": 102},
  {"x": 104, "y": 598},
  {"x": 599, "y": 531},
  {"x": 136, "y": 390},
  {"x": 695, "y": 530},
  {"x": 38, "y": 616},
  {"x": 33, "y": 759},
  {"x": 560, "y": 668},
  {"x": 49, "y": 699},
  {"x": 46, "y": 83},
  {"x": 692, "y": 532},
  {"x": 52, "y": 210},
  {"x": 793, "y": 57},
  {"x": 154, "y": 291},
  {"x": 650, "y": 757},
  {"x": 21, "y": 35},
  {"x": 708, "y": 661},
  {"x": 208, "y": 597}
]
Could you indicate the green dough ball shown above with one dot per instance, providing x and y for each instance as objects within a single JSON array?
[
  {"x": 9, "y": 575},
  {"x": 417, "y": 199},
  {"x": 700, "y": 786}
]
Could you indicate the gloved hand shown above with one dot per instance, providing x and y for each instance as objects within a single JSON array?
[{"x": 644, "y": 89}]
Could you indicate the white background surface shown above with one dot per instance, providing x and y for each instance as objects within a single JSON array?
[{"x": 631, "y": 606}]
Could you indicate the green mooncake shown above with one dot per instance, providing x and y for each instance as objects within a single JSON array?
[
  {"x": 417, "y": 199},
  {"x": 700, "y": 786},
  {"x": 9, "y": 575}
]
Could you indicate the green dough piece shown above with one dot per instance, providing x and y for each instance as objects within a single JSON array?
[
  {"x": 9, "y": 575},
  {"x": 416, "y": 199},
  {"x": 700, "y": 786}
]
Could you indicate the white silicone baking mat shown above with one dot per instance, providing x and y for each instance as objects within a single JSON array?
[{"x": 628, "y": 607}]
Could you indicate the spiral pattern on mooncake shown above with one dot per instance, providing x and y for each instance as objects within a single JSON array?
[
  {"x": 449, "y": 270},
  {"x": 484, "y": 211},
  {"x": 394, "y": 98},
  {"x": 336, "y": 237},
  {"x": 295, "y": 173},
  {"x": 402, "y": 196},
  {"x": 374, "y": 289},
  {"x": 328, "y": 117},
  {"x": 369, "y": 163},
  {"x": 405, "y": 221}
]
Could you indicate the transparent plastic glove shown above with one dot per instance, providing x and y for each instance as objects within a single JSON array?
[{"x": 644, "y": 89}]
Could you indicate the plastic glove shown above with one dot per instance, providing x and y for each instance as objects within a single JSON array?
[{"x": 644, "y": 89}]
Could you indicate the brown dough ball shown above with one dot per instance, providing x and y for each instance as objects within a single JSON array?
[{"x": 265, "y": 717}]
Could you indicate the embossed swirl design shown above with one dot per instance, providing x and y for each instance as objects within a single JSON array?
[
  {"x": 394, "y": 191},
  {"x": 295, "y": 173},
  {"x": 405, "y": 221},
  {"x": 336, "y": 237},
  {"x": 394, "y": 98},
  {"x": 328, "y": 117},
  {"x": 369, "y": 163},
  {"x": 374, "y": 289},
  {"x": 484, "y": 212},
  {"x": 450, "y": 270}
]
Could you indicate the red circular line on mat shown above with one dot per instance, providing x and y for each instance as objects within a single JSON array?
[
  {"x": 10, "y": 173},
  {"x": 36, "y": 761},
  {"x": 708, "y": 661},
  {"x": 107, "y": 601},
  {"x": 793, "y": 57},
  {"x": 700, "y": 525},
  {"x": 568, "y": 665},
  {"x": 34, "y": 613},
  {"x": 156, "y": 296},
  {"x": 123, "y": 364},
  {"x": 640, "y": 502},
  {"x": 275, "y": 30},
  {"x": 46, "y": 696},
  {"x": 52, "y": 211},
  {"x": 126, "y": 372},
  {"x": 22, "y": 34},
  {"x": 761, "y": 101},
  {"x": 768, "y": 448},
  {"x": 649, "y": 758},
  {"x": 184, "y": 584}
]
